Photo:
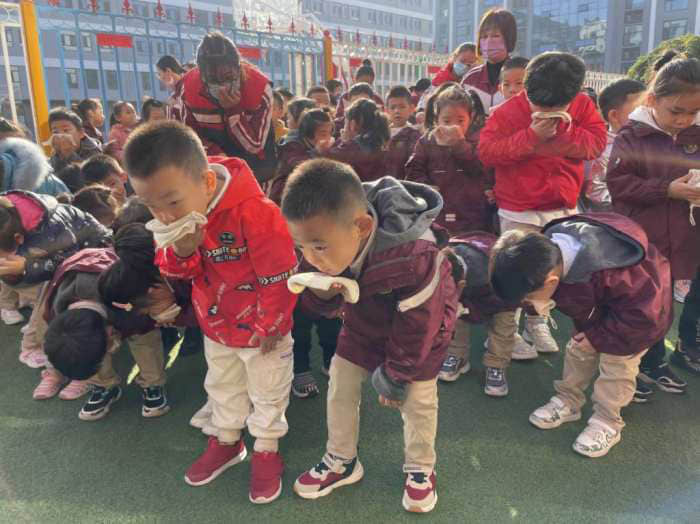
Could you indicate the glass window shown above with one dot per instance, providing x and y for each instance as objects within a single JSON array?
[
  {"x": 9, "y": 36},
  {"x": 91, "y": 78},
  {"x": 69, "y": 41},
  {"x": 634, "y": 17},
  {"x": 87, "y": 42},
  {"x": 674, "y": 28},
  {"x": 632, "y": 35},
  {"x": 16, "y": 76},
  {"x": 172, "y": 49},
  {"x": 111, "y": 79},
  {"x": 675, "y": 5},
  {"x": 635, "y": 4},
  {"x": 355, "y": 13},
  {"x": 72, "y": 78},
  {"x": 140, "y": 46}
]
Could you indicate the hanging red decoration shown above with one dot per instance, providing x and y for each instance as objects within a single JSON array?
[
  {"x": 159, "y": 11},
  {"x": 191, "y": 16},
  {"x": 126, "y": 7},
  {"x": 269, "y": 24},
  {"x": 54, "y": 3},
  {"x": 94, "y": 6},
  {"x": 339, "y": 34},
  {"x": 244, "y": 21},
  {"x": 292, "y": 27},
  {"x": 219, "y": 19}
]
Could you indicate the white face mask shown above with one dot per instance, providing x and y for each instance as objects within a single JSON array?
[{"x": 543, "y": 307}]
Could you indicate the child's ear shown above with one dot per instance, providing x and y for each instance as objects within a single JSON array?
[
  {"x": 210, "y": 181},
  {"x": 365, "y": 224},
  {"x": 19, "y": 239}
]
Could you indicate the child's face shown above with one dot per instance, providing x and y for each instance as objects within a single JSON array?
[
  {"x": 97, "y": 116},
  {"x": 324, "y": 131},
  {"x": 619, "y": 116},
  {"x": 512, "y": 82},
  {"x": 279, "y": 110},
  {"x": 66, "y": 127},
  {"x": 673, "y": 114},
  {"x": 468, "y": 58},
  {"x": 171, "y": 193},
  {"x": 115, "y": 182},
  {"x": 322, "y": 99},
  {"x": 331, "y": 244},
  {"x": 157, "y": 113},
  {"x": 128, "y": 116},
  {"x": 454, "y": 115},
  {"x": 399, "y": 111}
]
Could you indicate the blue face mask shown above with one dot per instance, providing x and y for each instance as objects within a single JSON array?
[{"x": 459, "y": 68}]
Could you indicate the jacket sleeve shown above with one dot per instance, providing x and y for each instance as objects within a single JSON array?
[
  {"x": 499, "y": 146},
  {"x": 272, "y": 255},
  {"x": 417, "y": 166},
  {"x": 583, "y": 140},
  {"x": 624, "y": 181},
  {"x": 250, "y": 128},
  {"x": 346, "y": 152},
  {"x": 172, "y": 266},
  {"x": 464, "y": 152}
]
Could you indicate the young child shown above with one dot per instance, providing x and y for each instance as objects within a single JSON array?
[
  {"x": 295, "y": 111},
  {"x": 93, "y": 116},
  {"x": 68, "y": 139},
  {"x": 538, "y": 161},
  {"x": 105, "y": 170},
  {"x": 97, "y": 299},
  {"x": 601, "y": 271},
  {"x": 363, "y": 75},
  {"x": 122, "y": 122},
  {"x": 363, "y": 141},
  {"x": 470, "y": 269},
  {"x": 650, "y": 181},
  {"x": 72, "y": 177},
  {"x": 359, "y": 91},
  {"x": 98, "y": 201},
  {"x": 400, "y": 108},
  {"x": 239, "y": 263},
  {"x": 381, "y": 235},
  {"x": 10, "y": 129},
  {"x": 279, "y": 109},
  {"x": 445, "y": 159},
  {"x": 320, "y": 95},
  {"x": 152, "y": 110},
  {"x": 512, "y": 79}
]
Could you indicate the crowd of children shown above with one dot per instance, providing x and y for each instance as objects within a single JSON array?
[{"x": 238, "y": 218}]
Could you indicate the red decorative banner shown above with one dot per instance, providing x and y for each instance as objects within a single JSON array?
[
  {"x": 110, "y": 40},
  {"x": 433, "y": 69},
  {"x": 250, "y": 53},
  {"x": 355, "y": 62}
]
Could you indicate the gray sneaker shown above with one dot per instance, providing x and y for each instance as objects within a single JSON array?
[
  {"x": 496, "y": 383},
  {"x": 537, "y": 333},
  {"x": 553, "y": 414}
]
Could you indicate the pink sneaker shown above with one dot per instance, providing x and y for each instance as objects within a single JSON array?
[
  {"x": 34, "y": 358},
  {"x": 50, "y": 384},
  {"x": 74, "y": 390}
]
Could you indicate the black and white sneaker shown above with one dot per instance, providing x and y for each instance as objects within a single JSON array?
[
  {"x": 97, "y": 406},
  {"x": 155, "y": 403},
  {"x": 686, "y": 358},
  {"x": 496, "y": 383},
  {"x": 664, "y": 378},
  {"x": 642, "y": 393}
]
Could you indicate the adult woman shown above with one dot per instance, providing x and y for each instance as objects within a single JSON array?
[{"x": 170, "y": 73}]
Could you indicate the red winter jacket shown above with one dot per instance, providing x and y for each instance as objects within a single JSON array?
[
  {"x": 445, "y": 75},
  {"x": 399, "y": 150},
  {"x": 241, "y": 269},
  {"x": 643, "y": 162},
  {"x": 532, "y": 175},
  {"x": 244, "y": 128},
  {"x": 456, "y": 172}
]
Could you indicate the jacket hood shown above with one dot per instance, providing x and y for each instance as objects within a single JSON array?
[
  {"x": 603, "y": 246},
  {"x": 33, "y": 208},
  {"x": 291, "y": 136},
  {"x": 24, "y": 163},
  {"x": 238, "y": 183},
  {"x": 405, "y": 210}
]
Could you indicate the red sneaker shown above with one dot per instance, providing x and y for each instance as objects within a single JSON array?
[
  {"x": 419, "y": 494},
  {"x": 265, "y": 477},
  {"x": 214, "y": 461}
]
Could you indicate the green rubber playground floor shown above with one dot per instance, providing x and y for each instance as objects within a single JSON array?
[{"x": 493, "y": 466}]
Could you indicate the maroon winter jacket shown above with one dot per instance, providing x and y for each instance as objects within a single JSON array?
[
  {"x": 405, "y": 317},
  {"x": 478, "y": 296},
  {"x": 643, "y": 162},
  {"x": 367, "y": 162},
  {"x": 399, "y": 150},
  {"x": 617, "y": 289},
  {"x": 291, "y": 153},
  {"x": 457, "y": 173}
]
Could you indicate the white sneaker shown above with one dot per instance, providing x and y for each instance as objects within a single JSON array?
[
  {"x": 596, "y": 440},
  {"x": 537, "y": 333},
  {"x": 553, "y": 414},
  {"x": 522, "y": 350},
  {"x": 11, "y": 317},
  {"x": 34, "y": 359}
]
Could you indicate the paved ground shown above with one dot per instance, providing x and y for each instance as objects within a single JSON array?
[{"x": 493, "y": 466}]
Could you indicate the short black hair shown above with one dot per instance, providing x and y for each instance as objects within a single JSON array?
[
  {"x": 286, "y": 93},
  {"x": 9, "y": 128},
  {"x": 99, "y": 201},
  {"x": 365, "y": 69},
  {"x": 514, "y": 62},
  {"x": 215, "y": 50},
  {"x": 316, "y": 89},
  {"x": 72, "y": 177},
  {"x": 65, "y": 114},
  {"x": 504, "y": 21},
  {"x": 148, "y": 105},
  {"x": 554, "y": 79},
  {"x": 311, "y": 120},
  {"x": 615, "y": 95},
  {"x": 322, "y": 187},
  {"x": 166, "y": 62},
  {"x": 297, "y": 106},
  {"x": 423, "y": 84},
  {"x": 97, "y": 168},
  {"x": 134, "y": 211},
  {"x": 162, "y": 144},
  {"x": 520, "y": 263},
  {"x": 85, "y": 105},
  {"x": 333, "y": 84},
  {"x": 363, "y": 88},
  {"x": 76, "y": 343},
  {"x": 677, "y": 77},
  {"x": 400, "y": 92}
]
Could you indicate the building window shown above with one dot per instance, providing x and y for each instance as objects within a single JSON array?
[
  {"x": 91, "y": 78},
  {"x": 675, "y": 5},
  {"x": 146, "y": 81},
  {"x": 632, "y": 35},
  {"x": 674, "y": 28},
  {"x": 10, "y": 36},
  {"x": 172, "y": 49},
  {"x": 172, "y": 14},
  {"x": 72, "y": 78},
  {"x": 107, "y": 6},
  {"x": 69, "y": 41},
  {"x": 111, "y": 79},
  {"x": 159, "y": 48},
  {"x": 355, "y": 13},
  {"x": 631, "y": 53},
  {"x": 635, "y": 4},
  {"x": 140, "y": 47},
  {"x": 87, "y": 42},
  {"x": 634, "y": 17},
  {"x": 16, "y": 77}
]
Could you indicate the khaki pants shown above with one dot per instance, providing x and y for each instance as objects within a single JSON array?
[
  {"x": 148, "y": 354},
  {"x": 239, "y": 379},
  {"x": 612, "y": 390},
  {"x": 502, "y": 328},
  {"x": 419, "y": 413},
  {"x": 10, "y": 297}
]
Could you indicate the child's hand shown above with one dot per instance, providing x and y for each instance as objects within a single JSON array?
[
  {"x": 63, "y": 145},
  {"x": 187, "y": 245},
  {"x": 12, "y": 265},
  {"x": 266, "y": 344},
  {"x": 490, "y": 196},
  {"x": 161, "y": 298},
  {"x": 389, "y": 403},
  {"x": 447, "y": 135},
  {"x": 680, "y": 189},
  {"x": 545, "y": 128}
]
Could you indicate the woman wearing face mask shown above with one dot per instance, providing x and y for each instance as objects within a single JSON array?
[
  {"x": 228, "y": 102},
  {"x": 497, "y": 37},
  {"x": 170, "y": 73}
]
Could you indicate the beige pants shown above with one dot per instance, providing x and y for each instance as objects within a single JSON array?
[
  {"x": 239, "y": 379},
  {"x": 419, "y": 413},
  {"x": 10, "y": 297},
  {"x": 147, "y": 351},
  {"x": 612, "y": 390},
  {"x": 501, "y": 330}
]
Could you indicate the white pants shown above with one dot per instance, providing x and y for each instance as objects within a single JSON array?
[{"x": 247, "y": 388}]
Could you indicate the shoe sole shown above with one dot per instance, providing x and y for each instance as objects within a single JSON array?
[
  {"x": 641, "y": 400},
  {"x": 598, "y": 454},
  {"x": 264, "y": 500},
  {"x": 538, "y": 349},
  {"x": 352, "y": 479},
  {"x": 235, "y": 460},
  {"x": 454, "y": 376},
  {"x": 545, "y": 425},
  {"x": 102, "y": 414},
  {"x": 154, "y": 413},
  {"x": 47, "y": 397},
  {"x": 13, "y": 323},
  {"x": 676, "y": 390},
  {"x": 31, "y": 364},
  {"x": 417, "y": 509},
  {"x": 520, "y": 358},
  {"x": 495, "y": 392},
  {"x": 304, "y": 395}
]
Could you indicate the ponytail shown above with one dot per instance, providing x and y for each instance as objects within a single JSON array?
[
  {"x": 373, "y": 123},
  {"x": 478, "y": 112}
]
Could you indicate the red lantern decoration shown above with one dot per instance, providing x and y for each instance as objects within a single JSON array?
[
  {"x": 159, "y": 11},
  {"x": 94, "y": 6},
  {"x": 219, "y": 19},
  {"x": 292, "y": 27},
  {"x": 126, "y": 7},
  {"x": 244, "y": 21},
  {"x": 269, "y": 24},
  {"x": 191, "y": 15}
]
